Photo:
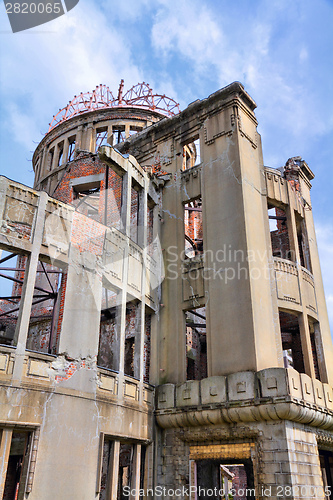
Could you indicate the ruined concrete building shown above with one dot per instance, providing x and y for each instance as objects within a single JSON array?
[{"x": 166, "y": 324}]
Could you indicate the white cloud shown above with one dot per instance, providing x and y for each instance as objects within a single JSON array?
[
  {"x": 80, "y": 50},
  {"x": 188, "y": 28}
]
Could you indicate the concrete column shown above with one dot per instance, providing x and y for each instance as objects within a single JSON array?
[
  {"x": 5, "y": 443},
  {"x": 90, "y": 140},
  {"x": 112, "y": 487},
  {"x": 239, "y": 307},
  {"x": 110, "y": 136},
  {"x": 121, "y": 317},
  {"x": 42, "y": 166},
  {"x": 54, "y": 159},
  {"x": 143, "y": 216},
  {"x": 65, "y": 150},
  {"x": 78, "y": 138},
  {"x": 135, "y": 482},
  {"x": 39, "y": 170},
  {"x": 127, "y": 130},
  {"x": 292, "y": 231},
  {"x": 142, "y": 219},
  {"x": 171, "y": 336},
  {"x": 23, "y": 320},
  {"x": 126, "y": 204},
  {"x": 306, "y": 342}
]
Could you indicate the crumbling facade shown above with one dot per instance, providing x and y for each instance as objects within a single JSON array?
[{"x": 167, "y": 325}]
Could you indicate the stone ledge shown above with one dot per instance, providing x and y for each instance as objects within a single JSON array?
[{"x": 271, "y": 394}]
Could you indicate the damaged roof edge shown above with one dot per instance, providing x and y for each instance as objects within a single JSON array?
[{"x": 194, "y": 107}]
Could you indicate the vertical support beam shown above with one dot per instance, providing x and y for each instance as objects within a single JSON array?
[
  {"x": 112, "y": 488},
  {"x": 306, "y": 343},
  {"x": 110, "y": 136},
  {"x": 78, "y": 138},
  {"x": 121, "y": 317},
  {"x": 53, "y": 164},
  {"x": 23, "y": 320},
  {"x": 6, "y": 438},
  {"x": 142, "y": 218},
  {"x": 143, "y": 221},
  {"x": 65, "y": 150},
  {"x": 42, "y": 166},
  {"x": 135, "y": 482},
  {"x": 126, "y": 203},
  {"x": 127, "y": 130},
  {"x": 90, "y": 142}
]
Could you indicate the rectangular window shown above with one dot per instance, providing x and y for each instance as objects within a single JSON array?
[
  {"x": 291, "y": 342},
  {"x": 71, "y": 148},
  {"x": 132, "y": 339},
  {"x": 193, "y": 228},
  {"x": 101, "y": 138},
  {"x": 196, "y": 346},
  {"x": 135, "y": 198},
  {"x": 279, "y": 234},
  {"x": 191, "y": 154},
  {"x": 17, "y": 481},
  {"x": 109, "y": 335},
  {"x": 118, "y": 134},
  {"x": 44, "y": 317},
  {"x": 326, "y": 466},
  {"x": 87, "y": 200},
  {"x": 60, "y": 153},
  {"x": 50, "y": 157},
  {"x": 150, "y": 226},
  {"x": 109, "y": 465},
  {"x": 126, "y": 454},
  {"x": 303, "y": 242}
]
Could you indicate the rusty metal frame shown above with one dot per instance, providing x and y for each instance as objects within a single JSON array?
[{"x": 140, "y": 95}]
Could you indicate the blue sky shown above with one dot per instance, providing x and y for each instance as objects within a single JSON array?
[{"x": 280, "y": 50}]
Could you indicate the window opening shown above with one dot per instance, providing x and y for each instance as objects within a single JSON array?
[
  {"x": 132, "y": 339},
  {"x": 313, "y": 327},
  {"x": 107, "y": 450},
  {"x": 71, "y": 148},
  {"x": 44, "y": 316},
  {"x": 126, "y": 454},
  {"x": 326, "y": 466},
  {"x": 101, "y": 138},
  {"x": 193, "y": 228},
  {"x": 114, "y": 199},
  {"x": 118, "y": 133},
  {"x": 150, "y": 226},
  {"x": 197, "y": 159},
  {"x": 60, "y": 153},
  {"x": 134, "y": 130},
  {"x": 86, "y": 201},
  {"x": 279, "y": 233},
  {"x": 196, "y": 346},
  {"x": 135, "y": 202},
  {"x": 17, "y": 467},
  {"x": 108, "y": 332},
  {"x": 44, "y": 311},
  {"x": 303, "y": 243},
  {"x": 291, "y": 342},
  {"x": 146, "y": 350},
  {"x": 50, "y": 157},
  {"x": 233, "y": 479}
]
